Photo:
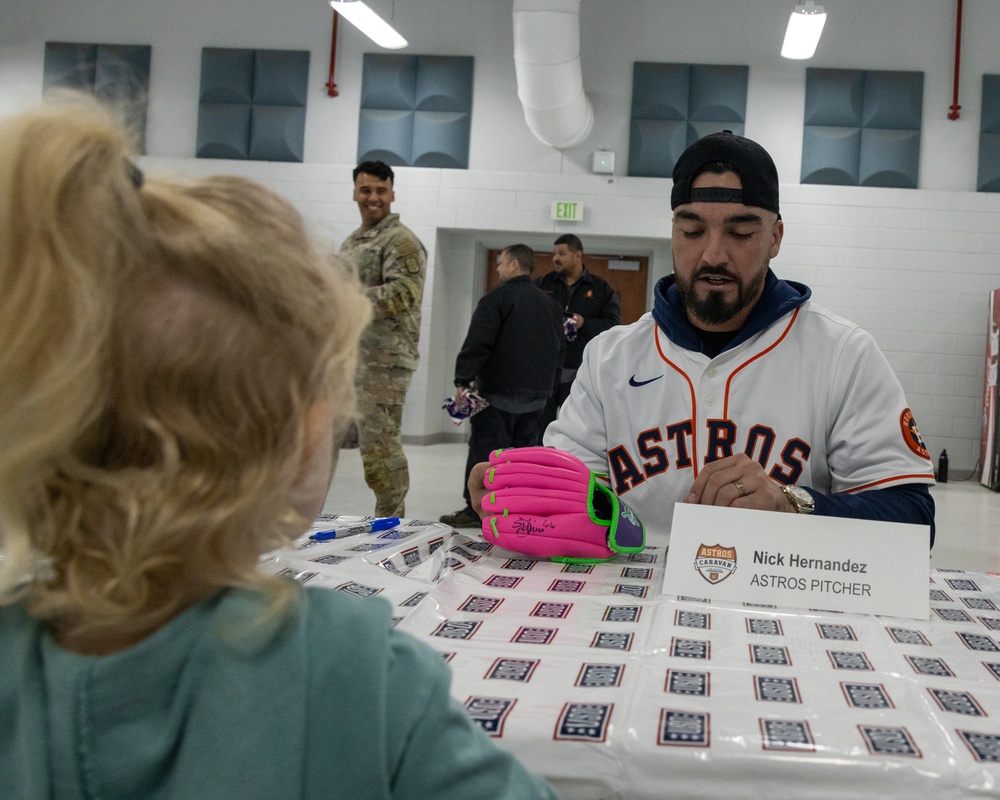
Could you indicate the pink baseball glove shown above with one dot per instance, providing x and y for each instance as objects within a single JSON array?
[{"x": 545, "y": 502}]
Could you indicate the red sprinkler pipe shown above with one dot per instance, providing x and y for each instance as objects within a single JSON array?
[
  {"x": 953, "y": 113},
  {"x": 331, "y": 87}
]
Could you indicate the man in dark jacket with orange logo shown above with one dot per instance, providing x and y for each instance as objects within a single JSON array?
[{"x": 590, "y": 307}]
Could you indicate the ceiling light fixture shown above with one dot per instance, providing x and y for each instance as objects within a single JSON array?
[
  {"x": 805, "y": 26},
  {"x": 369, "y": 23}
]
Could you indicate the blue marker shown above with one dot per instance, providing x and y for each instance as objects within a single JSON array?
[{"x": 383, "y": 524}]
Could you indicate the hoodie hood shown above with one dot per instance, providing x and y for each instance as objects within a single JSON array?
[{"x": 778, "y": 298}]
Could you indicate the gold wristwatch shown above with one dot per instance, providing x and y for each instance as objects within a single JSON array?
[{"x": 804, "y": 502}]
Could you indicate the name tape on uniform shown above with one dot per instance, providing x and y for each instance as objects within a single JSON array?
[{"x": 799, "y": 561}]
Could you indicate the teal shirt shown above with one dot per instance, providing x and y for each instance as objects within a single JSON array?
[{"x": 327, "y": 702}]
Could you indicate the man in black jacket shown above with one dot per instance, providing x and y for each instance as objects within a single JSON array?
[
  {"x": 587, "y": 300},
  {"x": 510, "y": 356}
]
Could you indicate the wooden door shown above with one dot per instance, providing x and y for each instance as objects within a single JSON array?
[{"x": 629, "y": 284}]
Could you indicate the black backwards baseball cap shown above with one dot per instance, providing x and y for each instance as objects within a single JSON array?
[{"x": 757, "y": 172}]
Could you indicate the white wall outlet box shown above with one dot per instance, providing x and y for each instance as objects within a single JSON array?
[{"x": 604, "y": 162}]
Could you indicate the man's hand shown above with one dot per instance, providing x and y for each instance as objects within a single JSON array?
[
  {"x": 460, "y": 394},
  {"x": 578, "y": 320},
  {"x": 738, "y": 482},
  {"x": 477, "y": 491}
]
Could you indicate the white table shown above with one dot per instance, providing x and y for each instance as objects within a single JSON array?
[{"x": 611, "y": 689}]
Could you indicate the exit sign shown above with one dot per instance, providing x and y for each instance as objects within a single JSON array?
[{"x": 567, "y": 210}]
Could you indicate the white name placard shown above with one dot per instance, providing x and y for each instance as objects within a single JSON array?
[{"x": 800, "y": 561}]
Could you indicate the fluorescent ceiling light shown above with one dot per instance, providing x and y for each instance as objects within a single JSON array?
[
  {"x": 369, "y": 23},
  {"x": 804, "y": 29}
]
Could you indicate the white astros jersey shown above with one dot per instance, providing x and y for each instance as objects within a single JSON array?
[{"x": 811, "y": 398}]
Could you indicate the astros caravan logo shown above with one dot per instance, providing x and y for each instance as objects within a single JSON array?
[{"x": 715, "y": 563}]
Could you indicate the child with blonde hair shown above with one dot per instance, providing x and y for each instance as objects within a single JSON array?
[{"x": 176, "y": 359}]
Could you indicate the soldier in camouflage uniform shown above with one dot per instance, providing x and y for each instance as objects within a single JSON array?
[{"x": 391, "y": 263}]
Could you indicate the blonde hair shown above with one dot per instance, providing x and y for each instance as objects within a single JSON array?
[{"x": 160, "y": 348}]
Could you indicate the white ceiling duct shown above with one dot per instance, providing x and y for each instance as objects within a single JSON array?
[{"x": 549, "y": 76}]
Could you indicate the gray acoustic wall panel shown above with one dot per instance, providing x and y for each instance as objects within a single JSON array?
[
  {"x": 416, "y": 110},
  {"x": 387, "y": 136},
  {"x": 990, "y": 117},
  {"x": 117, "y": 74},
  {"x": 389, "y": 82},
  {"x": 443, "y": 84},
  {"x": 440, "y": 139},
  {"x": 989, "y": 136},
  {"x": 862, "y": 128},
  {"x": 834, "y": 97},
  {"x": 698, "y": 128},
  {"x": 69, "y": 65},
  {"x": 675, "y": 104},
  {"x": 252, "y": 104},
  {"x": 655, "y": 145},
  {"x": 893, "y": 100},
  {"x": 831, "y": 155},
  {"x": 122, "y": 71},
  {"x": 660, "y": 91},
  {"x": 223, "y": 130},
  {"x": 226, "y": 76},
  {"x": 280, "y": 78},
  {"x": 277, "y": 133},
  {"x": 718, "y": 94},
  {"x": 889, "y": 158}
]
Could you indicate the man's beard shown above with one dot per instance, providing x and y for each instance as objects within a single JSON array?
[{"x": 714, "y": 309}]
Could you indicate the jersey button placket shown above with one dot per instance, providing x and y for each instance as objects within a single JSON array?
[{"x": 710, "y": 388}]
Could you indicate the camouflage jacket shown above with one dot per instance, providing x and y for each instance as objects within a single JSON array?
[{"x": 391, "y": 263}]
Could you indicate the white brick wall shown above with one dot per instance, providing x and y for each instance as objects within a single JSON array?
[{"x": 912, "y": 267}]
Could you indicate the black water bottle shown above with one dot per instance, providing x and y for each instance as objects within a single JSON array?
[{"x": 942, "y": 475}]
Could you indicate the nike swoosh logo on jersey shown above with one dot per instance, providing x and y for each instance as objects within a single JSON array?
[{"x": 633, "y": 382}]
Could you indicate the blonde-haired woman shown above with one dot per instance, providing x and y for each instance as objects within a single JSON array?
[{"x": 174, "y": 360}]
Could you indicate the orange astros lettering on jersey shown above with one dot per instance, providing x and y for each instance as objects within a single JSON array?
[{"x": 911, "y": 435}]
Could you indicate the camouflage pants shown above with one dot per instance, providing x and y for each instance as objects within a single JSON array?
[{"x": 381, "y": 392}]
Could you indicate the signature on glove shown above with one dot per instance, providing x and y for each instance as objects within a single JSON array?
[
  {"x": 545, "y": 502},
  {"x": 525, "y": 526}
]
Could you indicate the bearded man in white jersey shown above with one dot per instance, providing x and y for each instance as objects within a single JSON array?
[{"x": 737, "y": 389}]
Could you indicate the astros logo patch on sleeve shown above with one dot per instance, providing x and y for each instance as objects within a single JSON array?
[{"x": 911, "y": 435}]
